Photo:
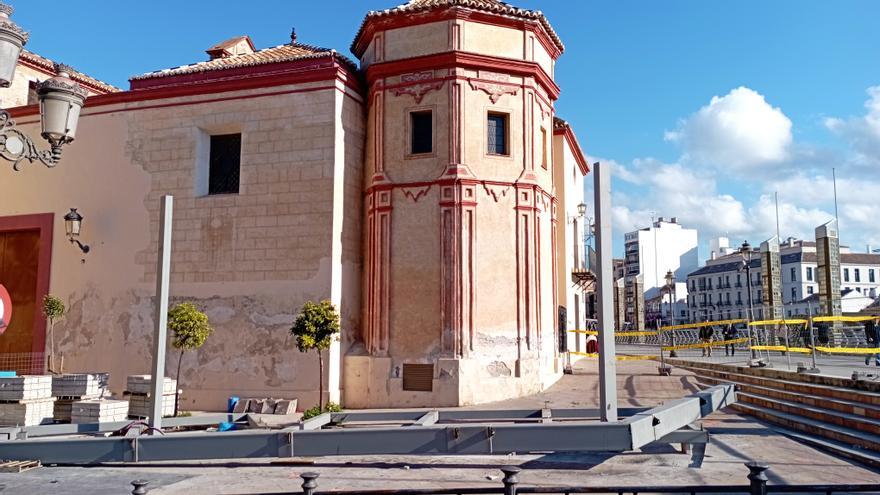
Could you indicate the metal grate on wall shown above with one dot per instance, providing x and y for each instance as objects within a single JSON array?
[{"x": 418, "y": 377}]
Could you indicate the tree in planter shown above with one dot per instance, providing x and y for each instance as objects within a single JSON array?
[
  {"x": 53, "y": 310},
  {"x": 315, "y": 329},
  {"x": 191, "y": 329}
]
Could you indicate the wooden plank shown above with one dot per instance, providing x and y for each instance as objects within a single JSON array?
[{"x": 18, "y": 466}]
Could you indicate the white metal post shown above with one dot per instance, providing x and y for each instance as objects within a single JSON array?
[
  {"x": 605, "y": 299},
  {"x": 163, "y": 274}
]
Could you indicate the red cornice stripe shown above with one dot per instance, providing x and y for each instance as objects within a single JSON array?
[
  {"x": 576, "y": 149},
  {"x": 466, "y": 60},
  {"x": 325, "y": 72},
  {"x": 80, "y": 80}
]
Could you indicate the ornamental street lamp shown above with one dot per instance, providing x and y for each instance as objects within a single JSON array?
[
  {"x": 61, "y": 100},
  {"x": 73, "y": 226},
  {"x": 746, "y": 252},
  {"x": 582, "y": 210}
]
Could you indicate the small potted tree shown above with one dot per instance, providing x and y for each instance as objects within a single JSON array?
[
  {"x": 316, "y": 328},
  {"x": 191, "y": 329},
  {"x": 53, "y": 310}
]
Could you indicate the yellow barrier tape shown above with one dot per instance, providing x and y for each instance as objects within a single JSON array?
[
  {"x": 621, "y": 334},
  {"x": 781, "y": 348},
  {"x": 823, "y": 319},
  {"x": 707, "y": 344},
  {"x": 619, "y": 358},
  {"x": 777, "y": 322},
  {"x": 849, "y": 350},
  {"x": 701, "y": 325}
]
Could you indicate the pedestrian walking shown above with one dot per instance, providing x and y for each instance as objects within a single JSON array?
[
  {"x": 729, "y": 333},
  {"x": 706, "y": 338},
  {"x": 592, "y": 344},
  {"x": 873, "y": 339}
]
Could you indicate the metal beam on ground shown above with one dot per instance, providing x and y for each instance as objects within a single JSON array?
[
  {"x": 605, "y": 293},
  {"x": 657, "y": 424},
  {"x": 160, "y": 338}
]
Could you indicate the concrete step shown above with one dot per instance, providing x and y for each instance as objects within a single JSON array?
[
  {"x": 734, "y": 375},
  {"x": 855, "y": 438},
  {"x": 824, "y": 415},
  {"x": 865, "y": 457},
  {"x": 838, "y": 405}
]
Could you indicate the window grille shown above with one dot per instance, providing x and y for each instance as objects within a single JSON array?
[{"x": 225, "y": 164}]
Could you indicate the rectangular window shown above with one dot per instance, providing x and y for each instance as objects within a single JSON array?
[
  {"x": 544, "y": 148},
  {"x": 422, "y": 132},
  {"x": 793, "y": 294},
  {"x": 794, "y": 274},
  {"x": 871, "y": 276},
  {"x": 225, "y": 164},
  {"x": 846, "y": 274},
  {"x": 810, "y": 273},
  {"x": 810, "y": 289},
  {"x": 858, "y": 274},
  {"x": 497, "y": 134}
]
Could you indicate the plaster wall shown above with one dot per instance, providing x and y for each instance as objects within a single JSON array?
[
  {"x": 249, "y": 259},
  {"x": 16, "y": 94}
]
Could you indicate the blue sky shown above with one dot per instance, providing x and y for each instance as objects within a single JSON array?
[{"x": 790, "y": 78}]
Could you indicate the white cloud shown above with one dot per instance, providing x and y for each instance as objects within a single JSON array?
[
  {"x": 739, "y": 130},
  {"x": 863, "y": 133}
]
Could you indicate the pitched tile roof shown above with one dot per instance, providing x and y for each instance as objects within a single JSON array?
[
  {"x": 493, "y": 6},
  {"x": 281, "y": 53},
  {"x": 92, "y": 84}
]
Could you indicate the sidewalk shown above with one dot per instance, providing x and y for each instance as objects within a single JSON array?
[{"x": 735, "y": 440}]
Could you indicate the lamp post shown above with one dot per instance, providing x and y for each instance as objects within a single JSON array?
[
  {"x": 746, "y": 252},
  {"x": 670, "y": 288},
  {"x": 61, "y": 100}
]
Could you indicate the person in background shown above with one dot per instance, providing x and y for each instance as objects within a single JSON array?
[
  {"x": 592, "y": 344},
  {"x": 729, "y": 333},
  {"x": 706, "y": 337},
  {"x": 871, "y": 335}
]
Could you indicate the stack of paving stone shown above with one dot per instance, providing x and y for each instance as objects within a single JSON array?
[
  {"x": 139, "y": 390},
  {"x": 266, "y": 406},
  {"x": 26, "y": 400},
  {"x": 73, "y": 388},
  {"x": 99, "y": 411}
]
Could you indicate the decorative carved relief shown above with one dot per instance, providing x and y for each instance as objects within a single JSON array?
[
  {"x": 416, "y": 193},
  {"x": 496, "y": 191},
  {"x": 414, "y": 87},
  {"x": 495, "y": 90}
]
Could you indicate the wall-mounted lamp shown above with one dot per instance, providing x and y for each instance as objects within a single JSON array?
[
  {"x": 582, "y": 210},
  {"x": 73, "y": 225}
]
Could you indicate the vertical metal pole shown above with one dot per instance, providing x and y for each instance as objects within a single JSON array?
[
  {"x": 812, "y": 338},
  {"x": 163, "y": 274},
  {"x": 751, "y": 304},
  {"x": 607, "y": 352}
]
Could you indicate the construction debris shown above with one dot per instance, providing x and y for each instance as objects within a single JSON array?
[
  {"x": 18, "y": 466},
  {"x": 266, "y": 406},
  {"x": 99, "y": 411},
  {"x": 26, "y": 400},
  {"x": 139, "y": 390}
]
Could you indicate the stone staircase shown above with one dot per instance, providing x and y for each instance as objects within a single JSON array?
[{"x": 825, "y": 412}]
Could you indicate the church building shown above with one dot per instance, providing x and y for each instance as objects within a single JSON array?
[{"x": 429, "y": 190}]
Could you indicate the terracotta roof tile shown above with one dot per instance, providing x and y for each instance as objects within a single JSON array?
[
  {"x": 493, "y": 6},
  {"x": 92, "y": 84},
  {"x": 282, "y": 53}
]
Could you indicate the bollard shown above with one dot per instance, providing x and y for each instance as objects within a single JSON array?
[
  {"x": 510, "y": 480},
  {"x": 310, "y": 483},
  {"x": 757, "y": 477},
  {"x": 140, "y": 487}
]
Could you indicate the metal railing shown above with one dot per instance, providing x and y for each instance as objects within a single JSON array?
[{"x": 510, "y": 485}]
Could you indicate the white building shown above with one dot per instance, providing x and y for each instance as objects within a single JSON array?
[
  {"x": 718, "y": 247},
  {"x": 652, "y": 252},
  {"x": 719, "y": 290}
]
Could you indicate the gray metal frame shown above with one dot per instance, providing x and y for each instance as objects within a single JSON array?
[{"x": 419, "y": 432}]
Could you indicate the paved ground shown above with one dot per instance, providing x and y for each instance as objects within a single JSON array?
[{"x": 735, "y": 440}]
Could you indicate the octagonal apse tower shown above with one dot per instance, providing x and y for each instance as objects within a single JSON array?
[{"x": 460, "y": 293}]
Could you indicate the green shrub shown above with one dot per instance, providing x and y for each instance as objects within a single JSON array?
[{"x": 316, "y": 411}]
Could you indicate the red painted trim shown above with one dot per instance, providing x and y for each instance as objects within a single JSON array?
[
  {"x": 378, "y": 25},
  {"x": 456, "y": 59},
  {"x": 575, "y": 146},
  {"x": 41, "y": 222},
  {"x": 328, "y": 70}
]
